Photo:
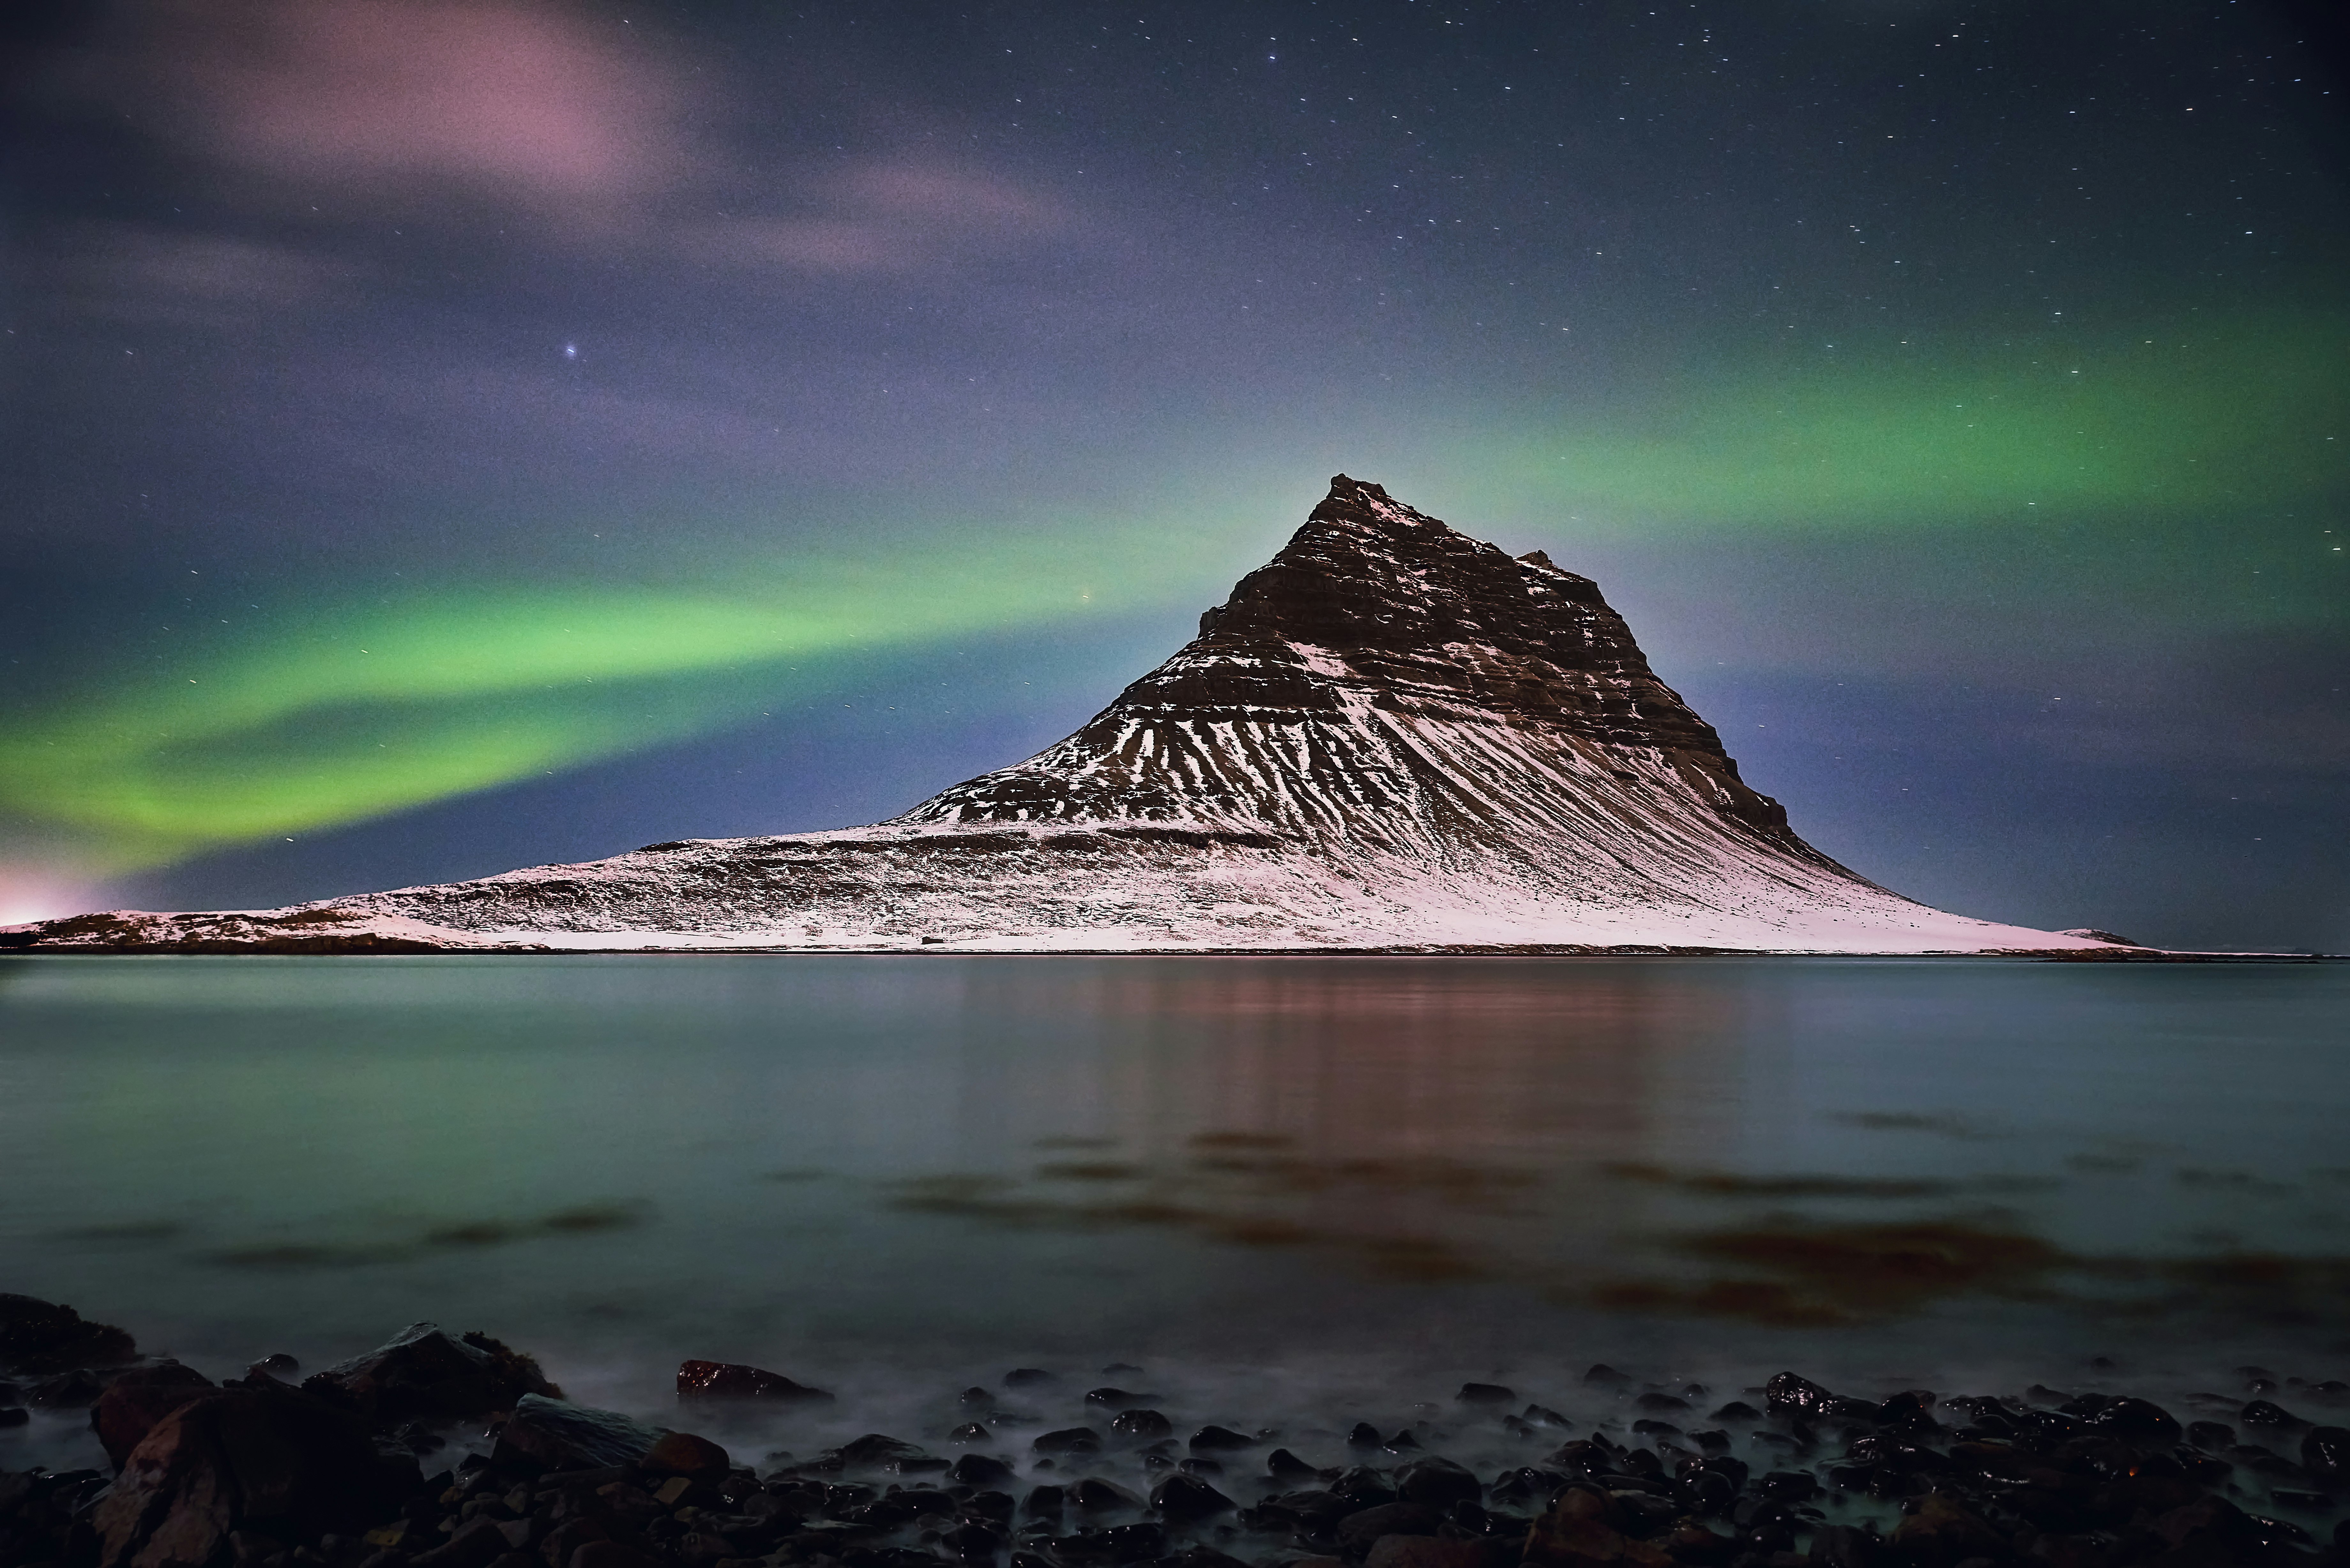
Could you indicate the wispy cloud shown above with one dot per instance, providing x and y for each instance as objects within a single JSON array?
[
  {"x": 138, "y": 272},
  {"x": 887, "y": 215},
  {"x": 577, "y": 125},
  {"x": 533, "y": 105}
]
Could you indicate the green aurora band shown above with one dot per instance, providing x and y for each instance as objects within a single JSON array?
[
  {"x": 382, "y": 708},
  {"x": 2209, "y": 420},
  {"x": 379, "y": 709}
]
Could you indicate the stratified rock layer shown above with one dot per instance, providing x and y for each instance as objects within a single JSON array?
[{"x": 1390, "y": 736}]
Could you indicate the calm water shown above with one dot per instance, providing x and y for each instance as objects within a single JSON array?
[{"x": 1263, "y": 1180}]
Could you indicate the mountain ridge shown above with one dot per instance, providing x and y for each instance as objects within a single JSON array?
[{"x": 1391, "y": 736}]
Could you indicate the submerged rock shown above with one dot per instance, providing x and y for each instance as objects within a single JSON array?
[{"x": 734, "y": 1380}]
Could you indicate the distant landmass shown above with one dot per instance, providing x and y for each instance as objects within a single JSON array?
[{"x": 1391, "y": 737}]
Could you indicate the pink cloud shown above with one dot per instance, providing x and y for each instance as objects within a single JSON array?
[
  {"x": 528, "y": 103},
  {"x": 537, "y": 106}
]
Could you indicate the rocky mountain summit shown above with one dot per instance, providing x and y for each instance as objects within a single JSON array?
[{"x": 1391, "y": 736}]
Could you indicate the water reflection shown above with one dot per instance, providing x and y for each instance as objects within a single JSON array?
[{"x": 811, "y": 1161}]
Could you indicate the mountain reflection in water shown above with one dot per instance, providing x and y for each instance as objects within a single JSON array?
[{"x": 940, "y": 1166}]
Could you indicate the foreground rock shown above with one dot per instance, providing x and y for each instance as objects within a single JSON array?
[
  {"x": 256, "y": 1474},
  {"x": 424, "y": 1372},
  {"x": 38, "y": 1336},
  {"x": 272, "y": 1463},
  {"x": 136, "y": 1402}
]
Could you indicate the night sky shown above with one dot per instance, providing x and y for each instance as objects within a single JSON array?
[{"x": 444, "y": 437}]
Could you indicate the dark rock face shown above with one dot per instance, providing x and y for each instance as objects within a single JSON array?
[
  {"x": 1437, "y": 1483},
  {"x": 137, "y": 1399},
  {"x": 423, "y": 1372},
  {"x": 1370, "y": 602},
  {"x": 38, "y": 1336},
  {"x": 269, "y": 1459},
  {"x": 556, "y": 1435},
  {"x": 684, "y": 1454},
  {"x": 1357, "y": 1531}
]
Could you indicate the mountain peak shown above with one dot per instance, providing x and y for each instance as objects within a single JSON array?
[
  {"x": 1373, "y": 612},
  {"x": 1390, "y": 734}
]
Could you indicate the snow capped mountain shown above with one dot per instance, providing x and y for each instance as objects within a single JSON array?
[{"x": 1391, "y": 735}]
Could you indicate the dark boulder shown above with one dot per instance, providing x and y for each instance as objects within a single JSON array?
[
  {"x": 1314, "y": 1511},
  {"x": 1844, "y": 1546},
  {"x": 1095, "y": 1495},
  {"x": 2211, "y": 1524},
  {"x": 551, "y": 1434},
  {"x": 1142, "y": 1542},
  {"x": 980, "y": 1471},
  {"x": 1944, "y": 1533},
  {"x": 1485, "y": 1394},
  {"x": 1527, "y": 1484},
  {"x": 270, "y": 1460},
  {"x": 1219, "y": 1440},
  {"x": 1430, "y": 1552},
  {"x": 610, "y": 1555},
  {"x": 75, "y": 1391},
  {"x": 1200, "y": 1556},
  {"x": 1363, "y": 1487},
  {"x": 1282, "y": 1464},
  {"x": 1584, "y": 1529},
  {"x": 2325, "y": 1454},
  {"x": 1187, "y": 1497},
  {"x": 137, "y": 1399},
  {"x": 972, "y": 1542},
  {"x": 424, "y": 1372},
  {"x": 1115, "y": 1399},
  {"x": 1140, "y": 1425},
  {"x": 38, "y": 1336},
  {"x": 1437, "y": 1483},
  {"x": 2261, "y": 1413},
  {"x": 1788, "y": 1394},
  {"x": 1357, "y": 1531},
  {"x": 1069, "y": 1440},
  {"x": 734, "y": 1380},
  {"x": 683, "y": 1454},
  {"x": 877, "y": 1451},
  {"x": 2139, "y": 1421}
]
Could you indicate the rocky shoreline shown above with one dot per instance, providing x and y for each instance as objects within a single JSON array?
[{"x": 454, "y": 1450}]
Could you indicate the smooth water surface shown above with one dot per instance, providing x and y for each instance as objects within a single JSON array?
[{"x": 875, "y": 1172}]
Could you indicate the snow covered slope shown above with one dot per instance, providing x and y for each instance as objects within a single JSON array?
[{"x": 1391, "y": 735}]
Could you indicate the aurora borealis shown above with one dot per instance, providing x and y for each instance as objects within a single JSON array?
[{"x": 452, "y": 435}]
